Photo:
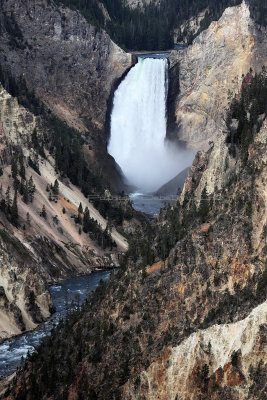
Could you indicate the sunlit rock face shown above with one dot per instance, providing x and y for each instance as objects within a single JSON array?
[
  {"x": 210, "y": 70},
  {"x": 210, "y": 74},
  {"x": 230, "y": 351}
]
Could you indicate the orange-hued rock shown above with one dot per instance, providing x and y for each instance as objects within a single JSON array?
[
  {"x": 154, "y": 267},
  {"x": 233, "y": 375}
]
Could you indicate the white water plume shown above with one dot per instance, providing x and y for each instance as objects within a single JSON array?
[{"x": 138, "y": 128}]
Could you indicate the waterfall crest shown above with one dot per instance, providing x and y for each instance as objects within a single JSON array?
[{"x": 138, "y": 127}]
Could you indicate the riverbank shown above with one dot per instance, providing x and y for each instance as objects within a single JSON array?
[{"x": 66, "y": 294}]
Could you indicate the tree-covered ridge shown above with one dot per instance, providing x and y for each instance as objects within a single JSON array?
[
  {"x": 246, "y": 113},
  {"x": 152, "y": 27},
  {"x": 66, "y": 145}
]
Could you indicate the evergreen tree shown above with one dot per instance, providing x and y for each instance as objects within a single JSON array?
[
  {"x": 25, "y": 197},
  {"x": 8, "y": 201},
  {"x": 204, "y": 205},
  {"x": 86, "y": 220},
  {"x": 43, "y": 212},
  {"x": 21, "y": 187},
  {"x": 14, "y": 167},
  {"x": 14, "y": 215},
  {"x": 56, "y": 188},
  {"x": 3, "y": 205},
  {"x": 35, "y": 140},
  {"x": 28, "y": 219},
  {"x": 80, "y": 209},
  {"x": 22, "y": 168},
  {"x": 31, "y": 189}
]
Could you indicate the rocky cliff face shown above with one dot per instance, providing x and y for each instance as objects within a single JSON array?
[
  {"x": 232, "y": 354},
  {"x": 225, "y": 361},
  {"x": 190, "y": 324},
  {"x": 188, "y": 28},
  {"x": 24, "y": 297},
  {"x": 72, "y": 69},
  {"x": 68, "y": 64},
  {"x": 209, "y": 70},
  {"x": 50, "y": 248}
]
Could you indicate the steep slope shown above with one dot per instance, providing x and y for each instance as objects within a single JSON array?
[
  {"x": 129, "y": 341},
  {"x": 54, "y": 67},
  {"x": 232, "y": 354},
  {"x": 196, "y": 276},
  {"x": 39, "y": 247},
  {"x": 174, "y": 186},
  {"x": 69, "y": 65},
  {"x": 190, "y": 280},
  {"x": 210, "y": 72}
]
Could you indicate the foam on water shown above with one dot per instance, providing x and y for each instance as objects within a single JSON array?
[{"x": 138, "y": 128}]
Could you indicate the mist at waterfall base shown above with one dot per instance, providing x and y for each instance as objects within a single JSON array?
[{"x": 138, "y": 128}]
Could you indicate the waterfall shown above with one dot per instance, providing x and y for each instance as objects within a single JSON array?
[{"x": 138, "y": 127}]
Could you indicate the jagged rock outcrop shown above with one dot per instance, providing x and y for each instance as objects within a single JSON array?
[
  {"x": 71, "y": 67},
  {"x": 209, "y": 71}
]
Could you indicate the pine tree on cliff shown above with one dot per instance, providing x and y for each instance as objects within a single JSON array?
[
  {"x": 25, "y": 197},
  {"x": 43, "y": 212},
  {"x": 80, "y": 209},
  {"x": 8, "y": 201},
  {"x": 22, "y": 168},
  {"x": 14, "y": 167},
  {"x": 32, "y": 189},
  {"x": 14, "y": 215},
  {"x": 86, "y": 220},
  {"x": 55, "y": 188},
  {"x": 204, "y": 205}
]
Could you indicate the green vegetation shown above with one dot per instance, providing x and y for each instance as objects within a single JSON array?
[
  {"x": 91, "y": 226},
  {"x": 150, "y": 28},
  {"x": 246, "y": 109}
]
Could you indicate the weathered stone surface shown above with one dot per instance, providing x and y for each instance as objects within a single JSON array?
[
  {"x": 48, "y": 250},
  {"x": 176, "y": 376},
  {"x": 70, "y": 66},
  {"x": 25, "y": 300},
  {"x": 208, "y": 70}
]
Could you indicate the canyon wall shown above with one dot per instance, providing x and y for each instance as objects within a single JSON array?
[
  {"x": 52, "y": 54},
  {"x": 210, "y": 73},
  {"x": 40, "y": 250},
  {"x": 70, "y": 66}
]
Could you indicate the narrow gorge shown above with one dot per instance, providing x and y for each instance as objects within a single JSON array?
[{"x": 90, "y": 132}]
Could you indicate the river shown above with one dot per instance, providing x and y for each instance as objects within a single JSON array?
[
  {"x": 12, "y": 350},
  {"x": 150, "y": 204}
]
